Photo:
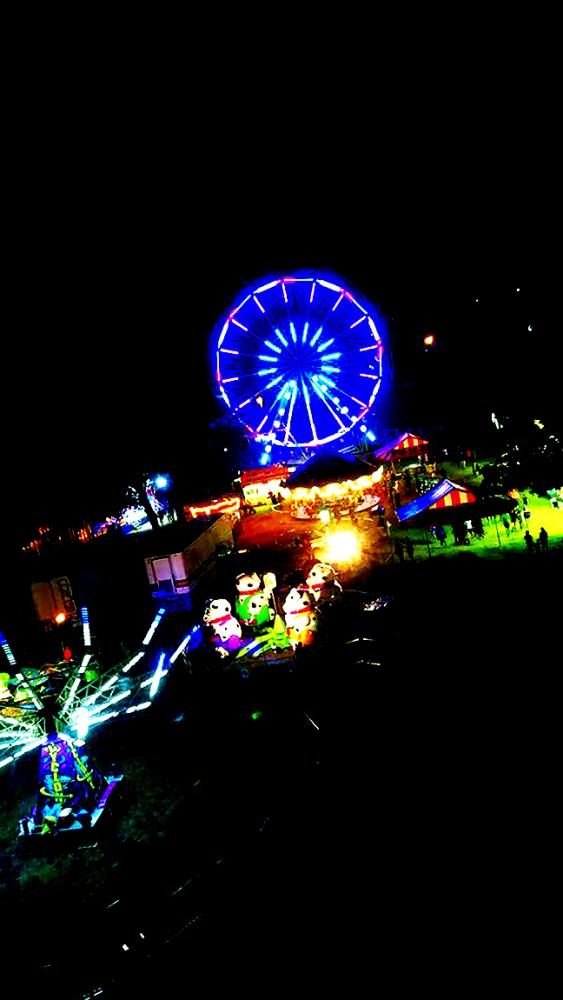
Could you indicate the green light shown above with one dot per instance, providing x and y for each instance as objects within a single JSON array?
[{"x": 256, "y": 715}]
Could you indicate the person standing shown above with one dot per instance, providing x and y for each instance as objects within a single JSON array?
[
  {"x": 409, "y": 547},
  {"x": 543, "y": 540},
  {"x": 530, "y": 544},
  {"x": 440, "y": 532}
]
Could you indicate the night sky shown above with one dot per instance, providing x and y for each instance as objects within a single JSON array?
[{"x": 114, "y": 289}]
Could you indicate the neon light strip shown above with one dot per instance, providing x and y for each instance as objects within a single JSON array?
[
  {"x": 259, "y": 304},
  {"x": 156, "y": 677},
  {"x": 326, "y": 344},
  {"x": 365, "y": 375},
  {"x": 308, "y": 405},
  {"x": 223, "y": 335},
  {"x": 290, "y": 414},
  {"x": 374, "y": 347},
  {"x": 29, "y": 746},
  {"x": 338, "y": 301},
  {"x": 149, "y": 680},
  {"x": 316, "y": 337},
  {"x": 327, "y": 404},
  {"x": 86, "y": 635},
  {"x": 328, "y": 284},
  {"x": 227, "y": 350},
  {"x": 265, "y": 288},
  {"x": 156, "y": 622},
  {"x": 273, "y": 347},
  {"x": 9, "y": 655},
  {"x": 184, "y": 643},
  {"x": 103, "y": 718},
  {"x": 281, "y": 337},
  {"x": 360, "y": 320},
  {"x": 357, "y": 304},
  {"x": 136, "y": 658},
  {"x": 312, "y": 292},
  {"x": 284, "y": 291},
  {"x": 111, "y": 701},
  {"x": 240, "y": 305},
  {"x": 228, "y": 506},
  {"x": 236, "y": 322}
]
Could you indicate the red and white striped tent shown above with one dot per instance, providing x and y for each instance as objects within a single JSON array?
[
  {"x": 407, "y": 445},
  {"x": 445, "y": 494}
]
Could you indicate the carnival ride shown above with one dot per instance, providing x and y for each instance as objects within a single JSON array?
[
  {"x": 298, "y": 360},
  {"x": 54, "y": 706}
]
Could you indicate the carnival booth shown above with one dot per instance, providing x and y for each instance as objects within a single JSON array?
[
  {"x": 261, "y": 486},
  {"x": 442, "y": 497},
  {"x": 406, "y": 445},
  {"x": 451, "y": 503}
]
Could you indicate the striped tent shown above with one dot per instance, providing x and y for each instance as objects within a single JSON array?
[
  {"x": 445, "y": 494},
  {"x": 407, "y": 445}
]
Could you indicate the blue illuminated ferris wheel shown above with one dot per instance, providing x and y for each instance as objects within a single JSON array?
[{"x": 298, "y": 360}]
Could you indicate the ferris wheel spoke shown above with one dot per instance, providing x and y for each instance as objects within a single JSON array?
[
  {"x": 307, "y": 398},
  {"x": 290, "y": 415},
  {"x": 269, "y": 415},
  {"x": 323, "y": 397}
]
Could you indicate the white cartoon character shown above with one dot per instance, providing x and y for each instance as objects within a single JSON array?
[{"x": 322, "y": 582}]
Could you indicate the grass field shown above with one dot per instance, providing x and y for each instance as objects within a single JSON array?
[{"x": 497, "y": 542}]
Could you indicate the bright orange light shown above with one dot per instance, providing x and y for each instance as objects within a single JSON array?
[
  {"x": 229, "y": 505},
  {"x": 340, "y": 545},
  {"x": 60, "y": 618},
  {"x": 429, "y": 340}
]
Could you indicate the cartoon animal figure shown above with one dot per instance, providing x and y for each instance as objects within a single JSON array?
[
  {"x": 300, "y": 617},
  {"x": 252, "y": 606},
  {"x": 322, "y": 582},
  {"x": 226, "y": 631}
]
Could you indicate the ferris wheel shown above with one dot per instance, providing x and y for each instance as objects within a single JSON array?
[{"x": 298, "y": 360}]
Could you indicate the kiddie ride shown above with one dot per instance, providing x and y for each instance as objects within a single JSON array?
[{"x": 263, "y": 628}]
